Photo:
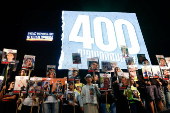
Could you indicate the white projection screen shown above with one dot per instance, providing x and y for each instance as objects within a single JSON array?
[{"x": 100, "y": 34}]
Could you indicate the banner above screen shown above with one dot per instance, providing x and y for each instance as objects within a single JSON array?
[
  {"x": 100, "y": 34},
  {"x": 39, "y": 36}
]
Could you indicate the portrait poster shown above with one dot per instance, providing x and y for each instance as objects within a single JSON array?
[
  {"x": 141, "y": 57},
  {"x": 58, "y": 85},
  {"x": 51, "y": 69},
  {"x": 93, "y": 64},
  {"x": 28, "y": 62},
  {"x": 35, "y": 84},
  {"x": 72, "y": 74},
  {"x": 21, "y": 83},
  {"x": 46, "y": 82},
  {"x": 161, "y": 60},
  {"x": 165, "y": 73},
  {"x": 146, "y": 71},
  {"x": 156, "y": 71},
  {"x": 133, "y": 71},
  {"x": 108, "y": 66},
  {"x": 125, "y": 52},
  {"x": 124, "y": 81},
  {"x": 167, "y": 59},
  {"x": 105, "y": 82},
  {"x": 76, "y": 58},
  {"x": 129, "y": 61},
  {"x": 9, "y": 56}
]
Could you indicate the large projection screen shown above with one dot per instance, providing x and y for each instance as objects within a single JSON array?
[{"x": 100, "y": 34}]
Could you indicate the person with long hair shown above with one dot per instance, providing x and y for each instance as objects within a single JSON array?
[
  {"x": 51, "y": 102},
  {"x": 8, "y": 99},
  {"x": 21, "y": 72}
]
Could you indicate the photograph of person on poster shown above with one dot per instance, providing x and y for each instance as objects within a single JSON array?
[
  {"x": 93, "y": 64},
  {"x": 72, "y": 74},
  {"x": 46, "y": 87},
  {"x": 167, "y": 61},
  {"x": 129, "y": 61},
  {"x": 58, "y": 87},
  {"x": 9, "y": 56},
  {"x": 141, "y": 57},
  {"x": 161, "y": 60},
  {"x": 133, "y": 71},
  {"x": 105, "y": 81},
  {"x": 76, "y": 58},
  {"x": 147, "y": 73},
  {"x": 51, "y": 70},
  {"x": 125, "y": 52},
  {"x": 28, "y": 62}
]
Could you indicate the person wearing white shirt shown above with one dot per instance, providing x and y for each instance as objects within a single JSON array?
[{"x": 89, "y": 94}]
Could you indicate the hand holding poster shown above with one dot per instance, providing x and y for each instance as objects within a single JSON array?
[
  {"x": 133, "y": 71},
  {"x": 125, "y": 52},
  {"x": 146, "y": 70},
  {"x": 93, "y": 64},
  {"x": 28, "y": 62},
  {"x": 76, "y": 58},
  {"x": 20, "y": 84},
  {"x": 165, "y": 73},
  {"x": 156, "y": 71},
  {"x": 161, "y": 60},
  {"x": 51, "y": 70},
  {"x": 108, "y": 66},
  {"x": 105, "y": 82},
  {"x": 58, "y": 85},
  {"x": 35, "y": 85},
  {"x": 9, "y": 56}
]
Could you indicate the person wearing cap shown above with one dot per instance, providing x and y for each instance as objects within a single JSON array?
[
  {"x": 78, "y": 85},
  {"x": 89, "y": 94},
  {"x": 72, "y": 100}
]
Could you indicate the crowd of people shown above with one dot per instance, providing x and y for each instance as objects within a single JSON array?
[{"x": 145, "y": 95}]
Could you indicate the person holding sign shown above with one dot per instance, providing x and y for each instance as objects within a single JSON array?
[
  {"x": 72, "y": 100},
  {"x": 136, "y": 105},
  {"x": 8, "y": 99},
  {"x": 78, "y": 85},
  {"x": 51, "y": 104},
  {"x": 89, "y": 96}
]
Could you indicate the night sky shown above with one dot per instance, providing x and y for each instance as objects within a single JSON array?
[{"x": 19, "y": 18}]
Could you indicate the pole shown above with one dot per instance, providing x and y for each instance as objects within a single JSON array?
[
  {"x": 43, "y": 106},
  {"x": 57, "y": 103},
  {"x": 128, "y": 101},
  {"x": 73, "y": 96},
  {"x": 106, "y": 101},
  {"x": 17, "y": 99}
]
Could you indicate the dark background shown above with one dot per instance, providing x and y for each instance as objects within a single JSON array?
[{"x": 18, "y": 18}]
